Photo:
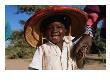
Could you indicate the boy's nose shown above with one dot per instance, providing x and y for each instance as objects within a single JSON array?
[{"x": 55, "y": 28}]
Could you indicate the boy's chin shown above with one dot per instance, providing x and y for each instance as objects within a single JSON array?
[{"x": 56, "y": 39}]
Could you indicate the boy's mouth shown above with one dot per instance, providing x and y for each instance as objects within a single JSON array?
[{"x": 55, "y": 35}]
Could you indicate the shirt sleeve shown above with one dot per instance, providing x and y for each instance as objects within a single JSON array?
[{"x": 37, "y": 59}]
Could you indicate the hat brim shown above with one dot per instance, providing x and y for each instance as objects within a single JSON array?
[{"x": 32, "y": 31}]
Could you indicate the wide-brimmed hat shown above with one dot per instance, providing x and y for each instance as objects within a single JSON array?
[{"x": 32, "y": 32}]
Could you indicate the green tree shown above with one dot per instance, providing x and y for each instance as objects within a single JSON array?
[
  {"x": 18, "y": 47},
  {"x": 98, "y": 44}
]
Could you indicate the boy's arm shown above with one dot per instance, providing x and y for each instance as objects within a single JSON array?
[{"x": 36, "y": 63}]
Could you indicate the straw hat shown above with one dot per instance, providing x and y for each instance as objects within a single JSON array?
[{"x": 32, "y": 32}]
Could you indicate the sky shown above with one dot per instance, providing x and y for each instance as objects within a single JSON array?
[{"x": 13, "y": 18}]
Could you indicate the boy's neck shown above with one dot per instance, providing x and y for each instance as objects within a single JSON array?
[{"x": 60, "y": 44}]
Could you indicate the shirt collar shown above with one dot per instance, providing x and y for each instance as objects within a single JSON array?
[{"x": 68, "y": 39}]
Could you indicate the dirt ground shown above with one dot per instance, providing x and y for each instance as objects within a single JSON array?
[
  {"x": 22, "y": 64},
  {"x": 17, "y": 64}
]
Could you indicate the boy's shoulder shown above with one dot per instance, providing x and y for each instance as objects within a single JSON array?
[{"x": 42, "y": 47}]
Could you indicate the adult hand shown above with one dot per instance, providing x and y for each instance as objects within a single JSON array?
[{"x": 81, "y": 49}]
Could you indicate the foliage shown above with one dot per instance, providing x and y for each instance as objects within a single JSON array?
[
  {"x": 18, "y": 47},
  {"x": 29, "y": 9},
  {"x": 99, "y": 44}
]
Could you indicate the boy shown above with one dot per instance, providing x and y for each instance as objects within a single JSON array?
[{"x": 55, "y": 54}]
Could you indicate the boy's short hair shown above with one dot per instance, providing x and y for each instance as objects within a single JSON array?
[{"x": 64, "y": 19}]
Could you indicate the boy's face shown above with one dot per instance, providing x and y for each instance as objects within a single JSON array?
[{"x": 55, "y": 32}]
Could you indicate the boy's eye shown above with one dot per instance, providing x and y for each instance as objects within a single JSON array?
[
  {"x": 56, "y": 26},
  {"x": 61, "y": 25}
]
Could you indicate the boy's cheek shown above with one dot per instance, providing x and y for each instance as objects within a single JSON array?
[{"x": 62, "y": 32}]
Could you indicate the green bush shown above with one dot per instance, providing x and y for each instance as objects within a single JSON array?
[{"x": 99, "y": 44}]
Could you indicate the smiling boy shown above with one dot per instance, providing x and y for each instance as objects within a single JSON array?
[{"x": 55, "y": 54}]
